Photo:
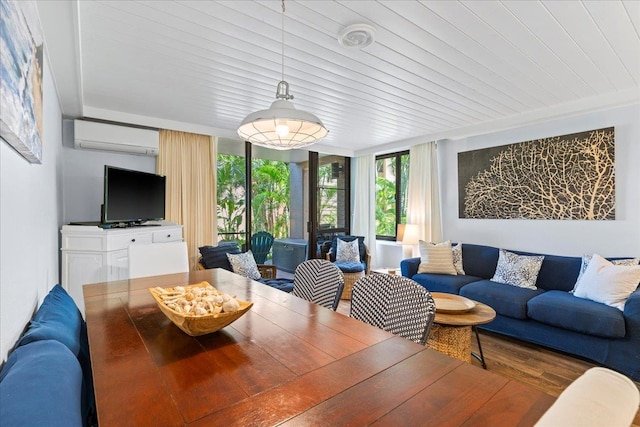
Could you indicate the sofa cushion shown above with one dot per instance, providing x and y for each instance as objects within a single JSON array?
[
  {"x": 587, "y": 258},
  {"x": 245, "y": 265},
  {"x": 457, "y": 258},
  {"x": 517, "y": 270},
  {"x": 479, "y": 260},
  {"x": 562, "y": 309},
  {"x": 41, "y": 386},
  {"x": 347, "y": 251},
  {"x": 607, "y": 283},
  {"x": 436, "y": 258},
  {"x": 334, "y": 246},
  {"x": 444, "y": 282},
  {"x": 350, "y": 267},
  {"x": 508, "y": 301},
  {"x": 58, "y": 318},
  {"x": 216, "y": 256},
  {"x": 285, "y": 285}
]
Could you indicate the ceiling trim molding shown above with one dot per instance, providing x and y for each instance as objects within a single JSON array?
[{"x": 62, "y": 41}]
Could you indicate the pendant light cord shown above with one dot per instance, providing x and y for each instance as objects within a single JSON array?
[{"x": 282, "y": 40}]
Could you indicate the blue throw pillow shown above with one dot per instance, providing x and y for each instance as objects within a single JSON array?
[
  {"x": 216, "y": 256},
  {"x": 58, "y": 318},
  {"x": 41, "y": 386}
]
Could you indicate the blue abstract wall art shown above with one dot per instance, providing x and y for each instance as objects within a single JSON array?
[{"x": 21, "y": 64}]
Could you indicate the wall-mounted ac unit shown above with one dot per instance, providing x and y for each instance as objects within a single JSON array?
[{"x": 120, "y": 139}]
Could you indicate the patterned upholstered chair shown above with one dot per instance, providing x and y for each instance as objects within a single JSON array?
[
  {"x": 396, "y": 304},
  {"x": 216, "y": 257},
  {"x": 352, "y": 270},
  {"x": 318, "y": 281}
]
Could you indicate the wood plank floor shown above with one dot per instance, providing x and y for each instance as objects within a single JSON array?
[{"x": 544, "y": 369}]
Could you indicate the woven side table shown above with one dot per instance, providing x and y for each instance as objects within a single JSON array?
[
  {"x": 349, "y": 280},
  {"x": 454, "y": 341},
  {"x": 451, "y": 331}
]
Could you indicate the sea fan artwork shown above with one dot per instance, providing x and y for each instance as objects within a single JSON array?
[
  {"x": 21, "y": 64},
  {"x": 563, "y": 177}
]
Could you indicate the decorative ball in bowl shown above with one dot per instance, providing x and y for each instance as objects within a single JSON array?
[{"x": 200, "y": 308}]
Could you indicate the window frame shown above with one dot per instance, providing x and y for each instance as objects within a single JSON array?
[{"x": 398, "y": 195}]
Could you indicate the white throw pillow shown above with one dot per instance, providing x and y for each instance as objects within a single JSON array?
[
  {"x": 457, "y": 258},
  {"x": 608, "y": 283},
  {"x": 518, "y": 270},
  {"x": 587, "y": 258},
  {"x": 348, "y": 251},
  {"x": 436, "y": 258},
  {"x": 245, "y": 265}
]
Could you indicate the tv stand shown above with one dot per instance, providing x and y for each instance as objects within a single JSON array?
[{"x": 93, "y": 254}]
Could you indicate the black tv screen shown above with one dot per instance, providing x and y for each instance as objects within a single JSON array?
[{"x": 132, "y": 196}]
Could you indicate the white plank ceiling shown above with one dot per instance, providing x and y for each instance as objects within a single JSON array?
[{"x": 437, "y": 69}]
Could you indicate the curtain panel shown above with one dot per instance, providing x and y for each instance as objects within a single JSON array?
[
  {"x": 363, "y": 222},
  {"x": 423, "y": 206},
  {"x": 189, "y": 162}
]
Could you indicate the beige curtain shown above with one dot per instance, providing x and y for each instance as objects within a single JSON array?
[
  {"x": 363, "y": 222},
  {"x": 423, "y": 195},
  {"x": 189, "y": 162}
]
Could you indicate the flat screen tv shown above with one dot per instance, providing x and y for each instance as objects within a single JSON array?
[{"x": 132, "y": 197}]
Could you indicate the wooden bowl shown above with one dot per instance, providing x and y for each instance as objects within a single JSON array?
[
  {"x": 450, "y": 303},
  {"x": 200, "y": 325}
]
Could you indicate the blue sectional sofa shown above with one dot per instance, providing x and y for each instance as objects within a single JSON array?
[
  {"x": 550, "y": 316},
  {"x": 47, "y": 380}
]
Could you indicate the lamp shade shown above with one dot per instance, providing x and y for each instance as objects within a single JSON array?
[
  {"x": 282, "y": 127},
  {"x": 408, "y": 234}
]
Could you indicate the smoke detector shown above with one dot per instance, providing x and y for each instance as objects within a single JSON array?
[{"x": 357, "y": 36}]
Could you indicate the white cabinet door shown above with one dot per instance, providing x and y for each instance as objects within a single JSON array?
[
  {"x": 81, "y": 268},
  {"x": 119, "y": 265}
]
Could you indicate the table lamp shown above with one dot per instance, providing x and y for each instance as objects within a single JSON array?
[{"x": 408, "y": 236}]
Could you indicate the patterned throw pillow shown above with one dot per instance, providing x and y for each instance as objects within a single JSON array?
[
  {"x": 436, "y": 258},
  {"x": 348, "y": 251},
  {"x": 245, "y": 265},
  {"x": 457, "y": 258},
  {"x": 587, "y": 258},
  {"x": 517, "y": 270},
  {"x": 607, "y": 283}
]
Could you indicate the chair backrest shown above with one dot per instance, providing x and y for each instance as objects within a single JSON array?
[
  {"x": 396, "y": 304},
  {"x": 319, "y": 281},
  {"x": 158, "y": 258},
  {"x": 261, "y": 245}
]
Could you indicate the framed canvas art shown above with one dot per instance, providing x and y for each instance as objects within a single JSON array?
[
  {"x": 562, "y": 177},
  {"x": 21, "y": 62}
]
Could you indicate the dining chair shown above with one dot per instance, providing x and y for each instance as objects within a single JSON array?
[
  {"x": 261, "y": 243},
  {"x": 158, "y": 258},
  {"x": 318, "y": 281},
  {"x": 352, "y": 269},
  {"x": 394, "y": 303}
]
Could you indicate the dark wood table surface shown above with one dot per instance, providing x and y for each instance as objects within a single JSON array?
[{"x": 285, "y": 362}]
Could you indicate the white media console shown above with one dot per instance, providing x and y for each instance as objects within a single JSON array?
[{"x": 91, "y": 254}]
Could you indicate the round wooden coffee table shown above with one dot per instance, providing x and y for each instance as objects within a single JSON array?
[{"x": 454, "y": 323}]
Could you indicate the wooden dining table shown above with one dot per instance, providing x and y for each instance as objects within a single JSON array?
[{"x": 285, "y": 362}]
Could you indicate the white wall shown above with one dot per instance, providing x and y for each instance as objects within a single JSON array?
[
  {"x": 30, "y": 216},
  {"x": 562, "y": 237}
]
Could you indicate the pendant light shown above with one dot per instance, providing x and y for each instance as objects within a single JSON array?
[{"x": 282, "y": 126}]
